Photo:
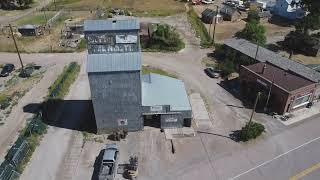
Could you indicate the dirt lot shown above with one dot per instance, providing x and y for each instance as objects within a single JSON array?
[
  {"x": 45, "y": 43},
  {"x": 17, "y": 118},
  {"x": 227, "y": 29},
  {"x": 138, "y": 7}
]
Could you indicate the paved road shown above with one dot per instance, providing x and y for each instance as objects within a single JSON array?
[{"x": 301, "y": 162}]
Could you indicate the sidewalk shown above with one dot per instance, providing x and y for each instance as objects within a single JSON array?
[
  {"x": 200, "y": 113},
  {"x": 302, "y": 114}
]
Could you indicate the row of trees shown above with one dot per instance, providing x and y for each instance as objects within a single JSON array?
[{"x": 14, "y": 4}]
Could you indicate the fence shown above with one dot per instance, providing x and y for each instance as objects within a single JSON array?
[{"x": 20, "y": 150}]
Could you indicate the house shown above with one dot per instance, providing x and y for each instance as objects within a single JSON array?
[
  {"x": 230, "y": 14},
  {"x": 269, "y": 70},
  {"x": 288, "y": 9},
  {"x": 29, "y": 30},
  {"x": 123, "y": 97},
  {"x": 208, "y": 16}
]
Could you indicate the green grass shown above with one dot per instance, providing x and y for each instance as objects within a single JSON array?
[
  {"x": 63, "y": 83},
  {"x": 200, "y": 29},
  {"x": 148, "y": 69},
  {"x": 37, "y": 19}
]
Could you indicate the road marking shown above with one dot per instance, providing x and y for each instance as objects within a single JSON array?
[
  {"x": 277, "y": 157},
  {"x": 305, "y": 172}
]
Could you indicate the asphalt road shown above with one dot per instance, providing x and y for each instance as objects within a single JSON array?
[{"x": 302, "y": 162}]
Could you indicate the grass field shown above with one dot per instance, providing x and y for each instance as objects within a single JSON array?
[
  {"x": 38, "y": 18},
  {"x": 148, "y": 69},
  {"x": 137, "y": 7},
  {"x": 45, "y": 43}
]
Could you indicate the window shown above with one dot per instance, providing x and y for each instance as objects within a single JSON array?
[{"x": 303, "y": 100}]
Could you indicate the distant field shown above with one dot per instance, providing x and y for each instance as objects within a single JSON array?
[
  {"x": 9, "y": 13},
  {"x": 37, "y": 18},
  {"x": 138, "y": 7}
]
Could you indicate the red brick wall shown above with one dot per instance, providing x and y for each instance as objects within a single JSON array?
[{"x": 280, "y": 97}]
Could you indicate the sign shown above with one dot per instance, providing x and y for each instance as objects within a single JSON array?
[
  {"x": 171, "y": 120},
  {"x": 126, "y": 39},
  {"x": 156, "y": 108},
  {"x": 122, "y": 122}
]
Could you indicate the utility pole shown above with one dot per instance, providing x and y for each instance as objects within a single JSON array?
[
  {"x": 215, "y": 24},
  {"x": 55, "y": 5},
  {"x": 45, "y": 17},
  {"x": 269, "y": 94},
  {"x": 255, "y": 57},
  {"x": 254, "y": 107},
  {"x": 15, "y": 44}
]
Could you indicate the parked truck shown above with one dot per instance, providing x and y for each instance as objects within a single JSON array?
[{"x": 109, "y": 164}]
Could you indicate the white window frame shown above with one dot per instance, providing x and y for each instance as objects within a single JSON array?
[{"x": 302, "y": 104}]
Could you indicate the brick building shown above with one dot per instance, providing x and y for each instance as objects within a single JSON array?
[
  {"x": 287, "y": 91},
  {"x": 286, "y": 85}
]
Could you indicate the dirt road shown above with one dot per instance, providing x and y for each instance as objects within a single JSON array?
[
  {"x": 17, "y": 118},
  {"x": 7, "y": 19}
]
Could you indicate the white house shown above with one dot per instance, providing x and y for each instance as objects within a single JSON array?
[{"x": 288, "y": 9}]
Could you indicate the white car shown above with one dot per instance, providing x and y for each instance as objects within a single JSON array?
[{"x": 207, "y": 1}]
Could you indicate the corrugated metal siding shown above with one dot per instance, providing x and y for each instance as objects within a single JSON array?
[
  {"x": 164, "y": 90},
  {"x": 114, "y": 62},
  {"x": 265, "y": 55},
  {"x": 116, "y": 96},
  {"x": 111, "y": 25}
]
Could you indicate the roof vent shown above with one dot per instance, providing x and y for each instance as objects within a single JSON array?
[{"x": 114, "y": 21}]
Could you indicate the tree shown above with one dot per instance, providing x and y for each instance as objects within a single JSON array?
[
  {"x": 14, "y": 4},
  {"x": 253, "y": 16},
  {"x": 253, "y": 32},
  {"x": 312, "y": 20}
]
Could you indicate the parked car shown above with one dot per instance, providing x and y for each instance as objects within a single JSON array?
[
  {"x": 207, "y": 1},
  {"x": 211, "y": 72},
  {"x": 6, "y": 70},
  {"x": 109, "y": 164}
]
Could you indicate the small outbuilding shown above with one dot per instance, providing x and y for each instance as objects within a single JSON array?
[
  {"x": 29, "y": 30},
  {"x": 230, "y": 14}
]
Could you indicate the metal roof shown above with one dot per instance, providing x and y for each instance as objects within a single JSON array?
[
  {"x": 285, "y": 79},
  {"x": 114, "y": 62},
  {"x": 27, "y": 26},
  {"x": 111, "y": 25},
  {"x": 163, "y": 90},
  {"x": 265, "y": 55}
]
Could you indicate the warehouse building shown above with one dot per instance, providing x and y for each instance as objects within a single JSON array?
[
  {"x": 123, "y": 97},
  {"x": 286, "y": 84}
]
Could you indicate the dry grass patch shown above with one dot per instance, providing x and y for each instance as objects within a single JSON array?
[{"x": 138, "y": 7}]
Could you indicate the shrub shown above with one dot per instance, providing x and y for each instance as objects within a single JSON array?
[
  {"x": 4, "y": 101},
  {"x": 251, "y": 131},
  {"x": 61, "y": 86},
  {"x": 164, "y": 38},
  {"x": 200, "y": 29}
]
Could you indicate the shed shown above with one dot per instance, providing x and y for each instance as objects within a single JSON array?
[
  {"x": 29, "y": 30},
  {"x": 208, "y": 16},
  {"x": 230, "y": 14}
]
